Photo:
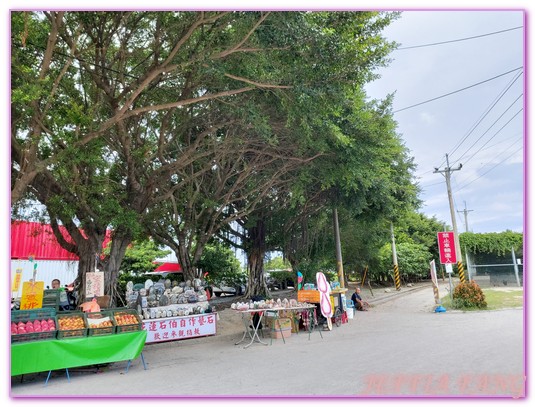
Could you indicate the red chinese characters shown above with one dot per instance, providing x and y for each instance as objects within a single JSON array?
[
  {"x": 446, "y": 247},
  {"x": 166, "y": 329}
]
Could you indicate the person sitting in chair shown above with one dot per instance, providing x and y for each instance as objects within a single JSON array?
[
  {"x": 360, "y": 304},
  {"x": 64, "y": 303}
]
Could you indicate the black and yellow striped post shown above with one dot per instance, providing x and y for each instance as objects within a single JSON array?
[
  {"x": 397, "y": 278},
  {"x": 460, "y": 269},
  {"x": 436, "y": 294}
]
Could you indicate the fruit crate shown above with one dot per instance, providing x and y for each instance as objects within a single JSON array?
[
  {"x": 75, "y": 328},
  {"x": 51, "y": 298},
  {"x": 99, "y": 323},
  {"x": 126, "y": 320},
  {"x": 33, "y": 315}
]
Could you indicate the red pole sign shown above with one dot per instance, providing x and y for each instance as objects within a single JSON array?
[{"x": 446, "y": 247}]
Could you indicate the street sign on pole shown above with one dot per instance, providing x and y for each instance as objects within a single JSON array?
[{"x": 446, "y": 247}]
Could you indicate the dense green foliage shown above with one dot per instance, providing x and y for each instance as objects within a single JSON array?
[
  {"x": 220, "y": 266},
  {"x": 139, "y": 257},
  {"x": 413, "y": 261},
  {"x": 492, "y": 243},
  {"x": 277, "y": 263}
]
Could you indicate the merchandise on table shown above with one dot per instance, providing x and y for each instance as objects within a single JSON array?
[
  {"x": 166, "y": 299},
  {"x": 127, "y": 320},
  {"x": 71, "y": 325},
  {"x": 33, "y": 325},
  {"x": 268, "y": 304},
  {"x": 100, "y": 323}
]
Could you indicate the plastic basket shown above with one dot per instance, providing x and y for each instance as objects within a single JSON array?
[
  {"x": 51, "y": 298},
  {"x": 34, "y": 336},
  {"x": 132, "y": 323},
  {"x": 98, "y": 323},
  {"x": 32, "y": 314},
  {"x": 71, "y": 332}
]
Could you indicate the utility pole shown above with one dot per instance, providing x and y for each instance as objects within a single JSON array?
[
  {"x": 447, "y": 174},
  {"x": 465, "y": 216},
  {"x": 339, "y": 263}
]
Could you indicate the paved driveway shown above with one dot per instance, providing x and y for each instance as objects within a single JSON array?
[{"x": 399, "y": 348}]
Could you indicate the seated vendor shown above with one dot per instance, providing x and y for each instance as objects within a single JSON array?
[{"x": 63, "y": 299}]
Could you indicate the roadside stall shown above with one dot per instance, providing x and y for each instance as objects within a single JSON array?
[
  {"x": 172, "y": 311},
  {"x": 281, "y": 317},
  {"x": 337, "y": 296},
  {"x": 43, "y": 339}
]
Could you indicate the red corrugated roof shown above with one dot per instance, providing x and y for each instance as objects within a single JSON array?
[{"x": 38, "y": 240}]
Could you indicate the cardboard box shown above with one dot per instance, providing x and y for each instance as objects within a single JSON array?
[
  {"x": 282, "y": 323},
  {"x": 286, "y": 333}
]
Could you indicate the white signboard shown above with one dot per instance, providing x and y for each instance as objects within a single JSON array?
[
  {"x": 449, "y": 268},
  {"x": 433, "y": 272},
  {"x": 175, "y": 328},
  {"x": 94, "y": 284}
]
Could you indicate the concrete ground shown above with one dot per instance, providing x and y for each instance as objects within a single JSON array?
[{"x": 400, "y": 348}]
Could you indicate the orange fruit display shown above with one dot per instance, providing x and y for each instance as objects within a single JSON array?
[
  {"x": 71, "y": 323},
  {"x": 125, "y": 319}
]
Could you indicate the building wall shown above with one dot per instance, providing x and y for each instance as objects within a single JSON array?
[{"x": 47, "y": 270}]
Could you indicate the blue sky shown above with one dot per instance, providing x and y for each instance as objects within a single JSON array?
[{"x": 480, "y": 127}]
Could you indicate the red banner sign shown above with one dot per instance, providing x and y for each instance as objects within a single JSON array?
[
  {"x": 446, "y": 247},
  {"x": 173, "y": 328}
]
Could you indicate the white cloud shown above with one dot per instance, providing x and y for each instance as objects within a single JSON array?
[{"x": 427, "y": 118}]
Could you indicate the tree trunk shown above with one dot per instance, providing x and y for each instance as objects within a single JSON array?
[
  {"x": 256, "y": 250},
  {"x": 120, "y": 241},
  {"x": 184, "y": 260},
  {"x": 87, "y": 264}
]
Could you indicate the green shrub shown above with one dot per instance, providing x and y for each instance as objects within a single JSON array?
[{"x": 468, "y": 295}]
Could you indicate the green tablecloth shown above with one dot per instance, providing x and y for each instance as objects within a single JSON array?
[{"x": 42, "y": 356}]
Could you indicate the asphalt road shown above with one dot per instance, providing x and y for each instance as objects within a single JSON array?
[{"x": 400, "y": 348}]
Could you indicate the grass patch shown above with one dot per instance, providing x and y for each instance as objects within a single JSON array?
[{"x": 496, "y": 299}]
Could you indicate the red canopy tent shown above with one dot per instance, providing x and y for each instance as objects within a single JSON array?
[{"x": 168, "y": 268}]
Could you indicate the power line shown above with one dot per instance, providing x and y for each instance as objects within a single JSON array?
[
  {"x": 432, "y": 185},
  {"x": 457, "y": 40},
  {"x": 457, "y": 91},
  {"x": 494, "y": 145},
  {"x": 495, "y": 134},
  {"x": 489, "y": 109},
  {"x": 487, "y": 112},
  {"x": 490, "y": 169}
]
